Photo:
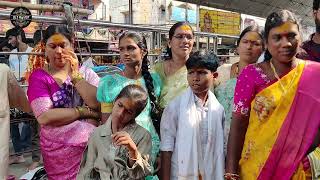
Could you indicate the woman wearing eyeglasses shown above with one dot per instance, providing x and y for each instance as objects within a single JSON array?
[{"x": 172, "y": 71}]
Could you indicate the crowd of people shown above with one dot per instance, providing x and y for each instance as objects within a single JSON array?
[{"x": 183, "y": 118}]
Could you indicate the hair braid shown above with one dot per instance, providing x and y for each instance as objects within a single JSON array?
[
  {"x": 150, "y": 88},
  {"x": 156, "y": 111}
]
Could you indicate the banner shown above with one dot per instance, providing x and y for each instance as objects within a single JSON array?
[{"x": 220, "y": 22}]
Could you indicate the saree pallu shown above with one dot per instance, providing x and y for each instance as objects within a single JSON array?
[
  {"x": 62, "y": 156},
  {"x": 282, "y": 126},
  {"x": 173, "y": 85}
]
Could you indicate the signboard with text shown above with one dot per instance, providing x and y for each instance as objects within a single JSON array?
[{"x": 220, "y": 22}]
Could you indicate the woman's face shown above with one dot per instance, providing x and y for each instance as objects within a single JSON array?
[
  {"x": 130, "y": 53},
  {"x": 283, "y": 42},
  {"x": 182, "y": 41},
  {"x": 250, "y": 47},
  {"x": 56, "y": 45},
  {"x": 123, "y": 111}
]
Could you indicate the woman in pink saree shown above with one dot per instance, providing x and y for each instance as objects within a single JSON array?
[
  {"x": 63, "y": 99},
  {"x": 275, "y": 124}
]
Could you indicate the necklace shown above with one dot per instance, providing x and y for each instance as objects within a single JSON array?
[{"x": 284, "y": 90}]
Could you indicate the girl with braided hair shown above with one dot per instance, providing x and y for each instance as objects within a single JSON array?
[{"x": 133, "y": 53}]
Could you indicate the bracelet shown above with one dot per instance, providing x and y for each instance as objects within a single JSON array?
[
  {"x": 76, "y": 78},
  {"x": 77, "y": 110},
  {"x": 230, "y": 176},
  {"x": 80, "y": 110}
]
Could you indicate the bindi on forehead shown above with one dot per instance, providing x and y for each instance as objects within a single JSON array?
[
  {"x": 58, "y": 38},
  {"x": 252, "y": 37},
  {"x": 284, "y": 28},
  {"x": 185, "y": 28}
]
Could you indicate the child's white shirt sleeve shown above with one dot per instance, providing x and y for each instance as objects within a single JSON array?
[{"x": 168, "y": 127}]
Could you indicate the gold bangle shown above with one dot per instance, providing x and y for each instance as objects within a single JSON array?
[
  {"x": 76, "y": 78},
  {"x": 77, "y": 110},
  {"x": 91, "y": 111},
  {"x": 81, "y": 111}
]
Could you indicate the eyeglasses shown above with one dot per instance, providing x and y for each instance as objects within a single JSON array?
[{"x": 182, "y": 36}]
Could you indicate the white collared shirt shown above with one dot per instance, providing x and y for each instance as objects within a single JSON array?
[
  {"x": 19, "y": 70},
  {"x": 202, "y": 111}
]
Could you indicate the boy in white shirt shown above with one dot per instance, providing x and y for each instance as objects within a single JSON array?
[{"x": 192, "y": 126}]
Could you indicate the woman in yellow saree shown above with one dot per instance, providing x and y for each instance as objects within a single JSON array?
[{"x": 276, "y": 110}]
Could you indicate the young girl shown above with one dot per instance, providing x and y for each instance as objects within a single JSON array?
[
  {"x": 133, "y": 53},
  {"x": 120, "y": 148}
]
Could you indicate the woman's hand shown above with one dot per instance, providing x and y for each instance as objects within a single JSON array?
[
  {"x": 74, "y": 73},
  {"x": 71, "y": 57},
  {"x": 122, "y": 138}
]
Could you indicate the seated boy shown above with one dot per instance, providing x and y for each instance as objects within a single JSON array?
[{"x": 192, "y": 126}]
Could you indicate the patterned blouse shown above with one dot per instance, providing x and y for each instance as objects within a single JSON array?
[{"x": 250, "y": 82}]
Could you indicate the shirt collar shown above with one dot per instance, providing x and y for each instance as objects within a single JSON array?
[{"x": 199, "y": 102}]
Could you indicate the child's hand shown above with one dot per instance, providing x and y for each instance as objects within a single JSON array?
[{"x": 123, "y": 138}]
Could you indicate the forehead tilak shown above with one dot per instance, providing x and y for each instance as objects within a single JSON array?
[
  {"x": 57, "y": 38},
  {"x": 252, "y": 36},
  {"x": 284, "y": 28},
  {"x": 185, "y": 27}
]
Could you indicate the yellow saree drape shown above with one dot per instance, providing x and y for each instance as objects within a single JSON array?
[{"x": 268, "y": 112}]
